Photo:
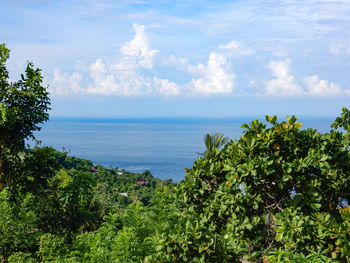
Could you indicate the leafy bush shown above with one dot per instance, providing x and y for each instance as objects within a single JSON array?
[
  {"x": 125, "y": 236},
  {"x": 275, "y": 187},
  {"x": 280, "y": 256},
  {"x": 20, "y": 257},
  {"x": 18, "y": 229}
]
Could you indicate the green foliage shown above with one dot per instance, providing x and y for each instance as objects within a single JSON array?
[
  {"x": 18, "y": 229},
  {"x": 56, "y": 196},
  {"x": 213, "y": 142},
  {"x": 127, "y": 234},
  {"x": 37, "y": 168},
  {"x": 67, "y": 198},
  {"x": 63, "y": 208},
  {"x": 23, "y": 107},
  {"x": 78, "y": 164},
  {"x": 343, "y": 121},
  {"x": 112, "y": 182},
  {"x": 20, "y": 257},
  {"x": 52, "y": 248},
  {"x": 124, "y": 237},
  {"x": 308, "y": 234},
  {"x": 274, "y": 187},
  {"x": 281, "y": 256}
]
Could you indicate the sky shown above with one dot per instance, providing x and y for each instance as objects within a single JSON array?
[{"x": 199, "y": 58}]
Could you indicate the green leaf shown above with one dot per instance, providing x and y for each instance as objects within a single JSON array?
[
  {"x": 249, "y": 226},
  {"x": 324, "y": 158},
  {"x": 279, "y": 237},
  {"x": 252, "y": 143},
  {"x": 334, "y": 255}
]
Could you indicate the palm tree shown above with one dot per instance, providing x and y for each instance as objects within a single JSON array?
[{"x": 213, "y": 141}]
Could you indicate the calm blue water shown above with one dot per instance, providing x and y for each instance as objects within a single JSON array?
[{"x": 163, "y": 146}]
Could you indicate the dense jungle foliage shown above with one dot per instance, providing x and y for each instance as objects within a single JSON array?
[{"x": 277, "y": 194}]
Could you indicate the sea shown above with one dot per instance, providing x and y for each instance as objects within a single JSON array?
[{"x": 164, "y": 146}]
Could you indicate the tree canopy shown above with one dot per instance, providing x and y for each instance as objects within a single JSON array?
[
  {"x": 277, "y": 188},
  {"x": 24, "y": 105}
]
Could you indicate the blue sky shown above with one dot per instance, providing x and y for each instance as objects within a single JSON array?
[{"x": 184, "y": 58}]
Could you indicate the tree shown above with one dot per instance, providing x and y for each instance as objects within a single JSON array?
[
  {"x": 64, "y": 206},
  {"x": 23, "y": 107},
  {"x": 213, "y": 142},
  {"x": 277, "y": 188}
]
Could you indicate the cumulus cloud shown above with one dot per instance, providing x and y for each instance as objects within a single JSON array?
[
  {"x": 319, "y": 87},
  {"x": 113, "y": 80},
  {"x": 64, "y": 83},
  {"x": 122, "y": 78},
  {"x": 215, "y": 77},
  {"x": 133, "y": 74},
  {"x": 139, "y": 48},
  {"x": 108, "y": 81},
  {"x": 283, "y": 84},
  {"x": 166, "y": 87}
]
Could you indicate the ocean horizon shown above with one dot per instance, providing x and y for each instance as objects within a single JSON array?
[{"x": 164, "y": 146}]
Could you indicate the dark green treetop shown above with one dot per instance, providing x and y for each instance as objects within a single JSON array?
[{"x": 23, "y": 107}]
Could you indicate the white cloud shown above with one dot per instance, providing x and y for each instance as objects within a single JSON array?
[
  {"x": 214, "y": 78},
  {"x": 133, "y": 74},
  {"x": 166, "y": 87},
  {"x": 284, "y": 84},
  {"x": 139, "y": 48},
  {"x": 112, "y": 82},
  {"x": 64, "y": 83},
  {"x": 117, "y": 79},
  {"x": 235, "y": 48},
  {"x": 319, "y": 87},
  {"x": 122, "y": 78}
]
